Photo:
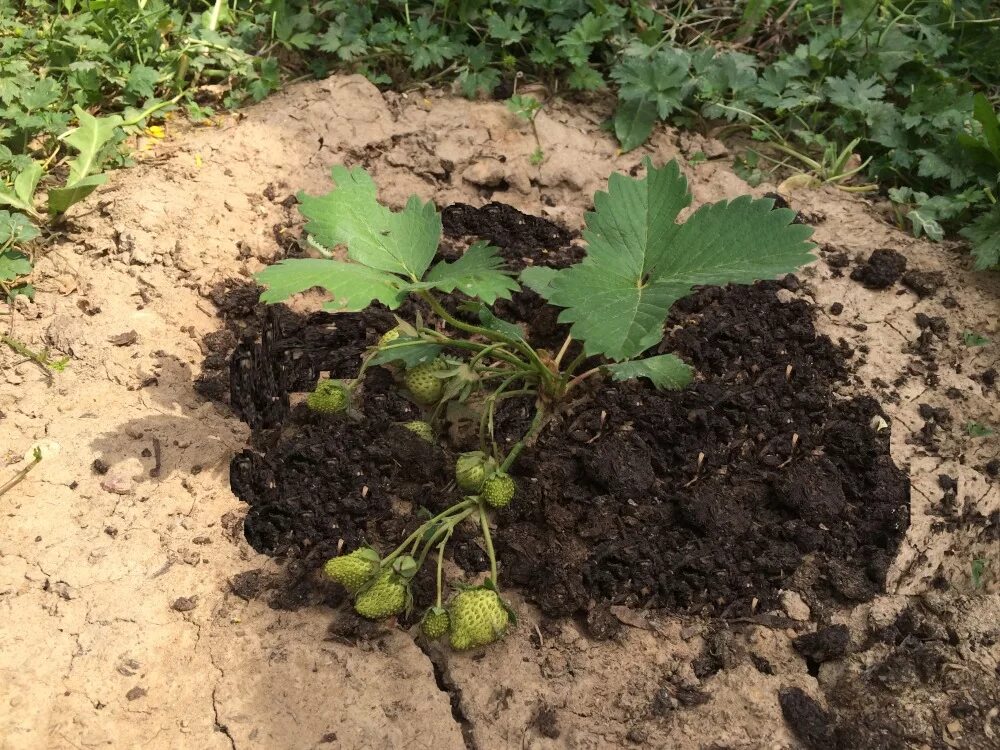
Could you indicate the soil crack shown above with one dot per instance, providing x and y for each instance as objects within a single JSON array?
[{"x": 454, "y": 692}]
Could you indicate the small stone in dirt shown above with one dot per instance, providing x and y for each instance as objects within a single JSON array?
[
  {"x": 794, "y": 607},
  {"x": 136, "y": 693},
  {"x": 882, "y": 270},
  {"x": 713, "y": 148},
  {"x": 824, "y": 645},
  {"x": 111, "y": 531},
  {"x": 923, "y": 283},
  {"x": 485, "y": 173},
  {"x": 119, "y": 484},
  {"x": 184, "y": 603},
  {"x": 124, "y": 339},
  {"x": 836, "y": 308},
  {"x": 100, "y": 466},
  {"x": 140, "y": 256}
]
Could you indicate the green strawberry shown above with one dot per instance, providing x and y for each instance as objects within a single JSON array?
[
  {"x": 435, "y": 623},
  {"x": 389, "y": 336},
  {"x": 426, "y": 388},
  {"x": 478, "y": 618},
  {"x": 353, "y": 571},
  {"x": 498, "y": 490},
  {"x": 384, "y": 598},
  {"x": 471, "y": 470},
  {"x": 329, "y": 397},
  {"x": 421, "y": 429}
]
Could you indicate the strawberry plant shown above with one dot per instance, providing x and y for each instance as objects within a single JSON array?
[{"x": 639, "y": 261}]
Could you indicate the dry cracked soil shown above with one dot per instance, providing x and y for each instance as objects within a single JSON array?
[{"x": 135, "y": 613}]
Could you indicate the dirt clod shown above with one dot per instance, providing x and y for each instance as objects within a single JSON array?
[
  {"x": 824, "y": 645},
  {"x": 883, "y": 269}
]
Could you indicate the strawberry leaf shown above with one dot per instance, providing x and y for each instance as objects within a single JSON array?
[
  {"x": 479, "y": 272},
  {"x": 665, "y": 371},
  {"x": 639, "y": 261},
  {"x": 410, "y": 351},
  {"x": 403, "y": 243},
  {"x": 538, "y": 278},
  {"x": 352, "y": 285}
]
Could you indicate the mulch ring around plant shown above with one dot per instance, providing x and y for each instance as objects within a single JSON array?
[{"x": 711, "y": 500}]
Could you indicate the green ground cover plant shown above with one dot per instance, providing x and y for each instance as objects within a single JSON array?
[
  {"x": 639, "y": 261},
  {"x": 911, "y": 88}
]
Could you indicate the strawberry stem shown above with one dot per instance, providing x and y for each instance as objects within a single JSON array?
[
  {"x": 563, "y": 349},
  {"x": 485, "y": 523},
  {"x": 533, "y": 430},
  {"x": 422, "y": 529},
  {"x": 440, "y": 569}
]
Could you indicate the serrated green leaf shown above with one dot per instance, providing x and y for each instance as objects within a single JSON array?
[
  {"x": 634, "y": 120},
  {"x": 665, "y": 371},
  {"x": 538, "y": 278},
  {"x": 403, "y": 243},
  {"x": 13, "y": 264},
  {"x": 142, "y": 81},
  {"x": 478, "y": 273},
  {"x": 984, "y": 234},
  {"x": 88, "y": 138},
  {"x": 410, "y": 351},
  {"x": 351, "y": 285},
  {"x": 639, "y": 261},
  {"x": 62, "y": 198}
]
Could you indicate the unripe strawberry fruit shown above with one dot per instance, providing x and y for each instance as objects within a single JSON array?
[
  {"x": 329, "y": 397},
  {"x": 384, "y": 598},
  {"x": 470, "y": 470},
  {"x": 353, "y": 571},
  {"x": 478, "y": 618},
  {"x": 388, "y": 337},
  {"x": 498, "y": 490},
  {"x": 435, "y": 623},
  {"x": 426, "y": 388},
  {"x": 421, "y": 429}
]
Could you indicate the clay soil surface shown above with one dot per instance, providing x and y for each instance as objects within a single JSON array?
[{"x": 802, "y": 549}]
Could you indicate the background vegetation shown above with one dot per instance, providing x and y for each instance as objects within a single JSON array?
[{"x": 911, "y": 87}]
